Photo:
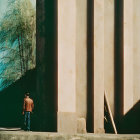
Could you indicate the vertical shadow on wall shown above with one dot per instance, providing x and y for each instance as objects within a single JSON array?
[
  {"x": 118, "y": 51},
  {"x": 46, "y": 65},
  {"x": 90, "y": 73}
]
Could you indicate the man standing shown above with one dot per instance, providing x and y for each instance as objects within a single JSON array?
[{"x": 28, "y": 106}]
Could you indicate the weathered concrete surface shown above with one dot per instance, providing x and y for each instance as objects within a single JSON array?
[
  {"x": 98, "y": 67},
  {"x": 72, "y": 68},
  {"x": 128, "y": 56},
  {"x": 21, "y": 135},
  {"x": 109, "y": 81},
  {"x": 81, "y": 58},
  {"x": 66, "y": 66},
  {"x": 136, "y": 51}
]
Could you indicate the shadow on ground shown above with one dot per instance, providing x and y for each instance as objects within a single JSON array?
[{"x": 130, "y": 123}]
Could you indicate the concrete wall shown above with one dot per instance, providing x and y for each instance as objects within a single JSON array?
[
  {"x": 127, "y": 55},
  {"x": 131, "y": 53},
  {"x": 72, "y": 59},
  {"x": 136, "y": 51}
]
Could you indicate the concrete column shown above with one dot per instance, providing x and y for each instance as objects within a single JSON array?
[
  {"x": 98, "y": 67},
  {"x": 109, "y": 74},
  {"x": 81, "y": 58},
  {"x": 136, "y": 51},
  {"x": 128, "y": 55},
  {"x": 72, "y": 65},
  {"x": 81, "y": 65},
  {"x": 67, "y": 120}
]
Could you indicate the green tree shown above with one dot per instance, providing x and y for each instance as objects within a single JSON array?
[{"x": 17, "y": 40}]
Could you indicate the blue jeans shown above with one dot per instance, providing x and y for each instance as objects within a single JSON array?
[{"x": 27, "y": 120}]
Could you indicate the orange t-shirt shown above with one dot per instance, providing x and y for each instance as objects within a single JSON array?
[{"x": 28, "y": 104}]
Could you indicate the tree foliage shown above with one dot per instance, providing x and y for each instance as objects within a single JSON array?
[{"x": 17, "y": 40}]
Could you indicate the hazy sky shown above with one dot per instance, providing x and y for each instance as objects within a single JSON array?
[{"x": 3, "y": 5}]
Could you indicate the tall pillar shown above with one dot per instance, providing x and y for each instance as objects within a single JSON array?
[
  {"x": 109, "y": 52},
  {"x": 128, "y": 56},
  {"x": 81, "y": 58},
  {"x": 136, "y": 51},
  {"x": 66, "y": 116},
  {"x": 46, "y": 65},
  {"x": 98, "y": 67}
]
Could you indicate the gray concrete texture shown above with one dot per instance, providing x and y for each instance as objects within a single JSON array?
[{"x": 21, "y": 135}]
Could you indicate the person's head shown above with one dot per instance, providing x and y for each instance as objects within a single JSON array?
[{"x": 27, "y": 94}]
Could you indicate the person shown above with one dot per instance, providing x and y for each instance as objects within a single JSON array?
[{"x": 28, "y": 106}]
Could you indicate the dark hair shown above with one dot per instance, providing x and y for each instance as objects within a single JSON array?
[{"x": 27, "y": 94}]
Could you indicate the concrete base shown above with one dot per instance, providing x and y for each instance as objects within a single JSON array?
[
  {"x": 81, "y": 126},
  {"x": 19, "y": 135},
  {"x": 67, "y": 122}
]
